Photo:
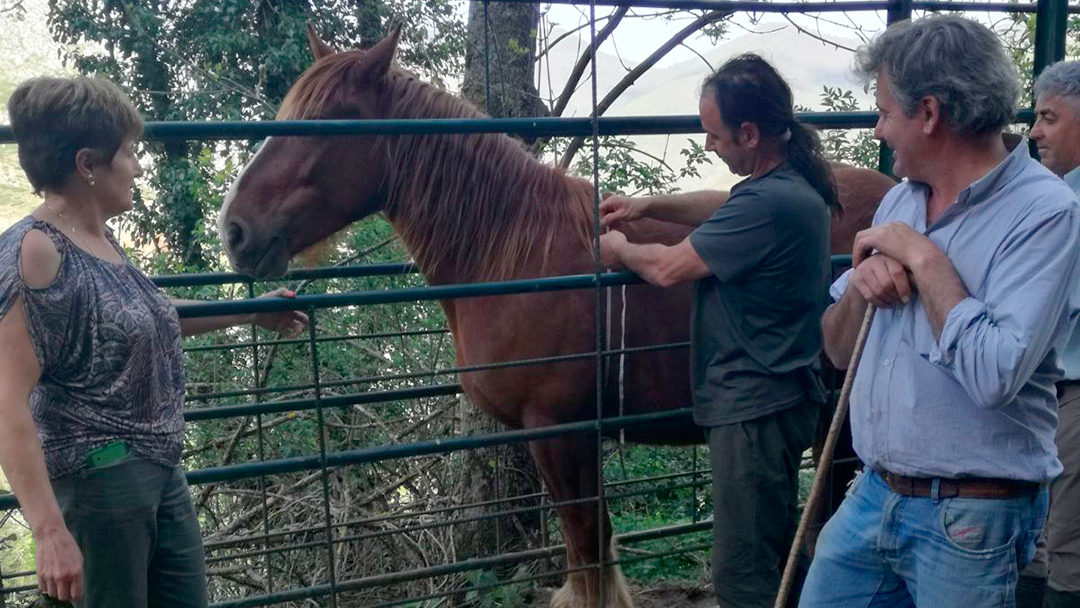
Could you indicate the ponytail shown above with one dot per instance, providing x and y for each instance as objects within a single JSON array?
[{"x": 804, "y": 154}]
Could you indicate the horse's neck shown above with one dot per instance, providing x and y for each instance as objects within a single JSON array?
[{"x": 493, "y": 183}]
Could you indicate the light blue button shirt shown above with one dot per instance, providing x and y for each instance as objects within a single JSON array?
[
  {"x": 1070, "y": 357},
  {"x": 980, "y": 401}
]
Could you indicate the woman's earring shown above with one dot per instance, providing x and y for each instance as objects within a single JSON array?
[{"x": 90, "y": 180}]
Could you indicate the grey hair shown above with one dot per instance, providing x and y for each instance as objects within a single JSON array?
[
  {"x": 1061, "y": 80},
  {"x": 956, "y": 60}
]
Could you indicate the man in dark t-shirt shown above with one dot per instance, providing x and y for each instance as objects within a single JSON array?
[{"x": 759, "y": 258}]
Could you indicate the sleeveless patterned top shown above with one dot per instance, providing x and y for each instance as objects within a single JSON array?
[{"x": 108, "y": 344}]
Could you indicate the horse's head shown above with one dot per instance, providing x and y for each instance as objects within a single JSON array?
[{"x": 297, "y": 191}]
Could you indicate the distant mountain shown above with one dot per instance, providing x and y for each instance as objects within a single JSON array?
[{"x": 806, "y": 63}]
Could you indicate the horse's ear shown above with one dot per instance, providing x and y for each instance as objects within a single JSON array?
[
  {"x": 377, "y": 59},
  {"x": 319, "y": 49}
]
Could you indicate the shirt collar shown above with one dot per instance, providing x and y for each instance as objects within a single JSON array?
[
  {"x": 1072, "y": 178},
  {"x": 989, "y": 184}
]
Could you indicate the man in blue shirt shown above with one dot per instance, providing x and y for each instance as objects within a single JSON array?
[
  {"x": 1057, "y": 134},
  {"x": 972, "y": 262}
]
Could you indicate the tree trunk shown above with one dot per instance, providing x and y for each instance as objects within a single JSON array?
[
  {"x": 489, "y": 474},
  {"x": 508, "y": 57}
]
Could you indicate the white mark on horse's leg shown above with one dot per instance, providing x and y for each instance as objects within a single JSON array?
[
  {"x": 616, "y": 590},
  {"x": 573, "y": 593}
]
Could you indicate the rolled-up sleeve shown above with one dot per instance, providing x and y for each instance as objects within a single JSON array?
[
  {"x": 993, "y": 346},
  {"x": 839, "y": 286}
]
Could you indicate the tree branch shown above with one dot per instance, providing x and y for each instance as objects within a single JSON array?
[
  {"x": 631, "y": 78},
  {"x": 583, "y": 61},
  {"x": 803, "y": 30}
]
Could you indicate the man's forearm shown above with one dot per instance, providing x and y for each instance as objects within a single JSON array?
[
  {"x": 940, "y": 288},
  {"x": 689, "y": 209},
  {"x": 647, "y": 261},
  {"x": 840, "y": 327}
]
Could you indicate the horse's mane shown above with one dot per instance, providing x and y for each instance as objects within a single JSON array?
[{"x": 478, "y": 201}]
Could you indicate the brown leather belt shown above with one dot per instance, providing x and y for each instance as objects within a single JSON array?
[{"x": 972, "y": 487}]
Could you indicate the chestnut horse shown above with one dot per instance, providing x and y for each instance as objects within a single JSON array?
[{"x": 478, "y": 207}]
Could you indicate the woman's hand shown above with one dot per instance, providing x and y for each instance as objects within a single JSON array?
[
  {"x": 59, "y": 563},
  {"x": 288, "y": 323}
]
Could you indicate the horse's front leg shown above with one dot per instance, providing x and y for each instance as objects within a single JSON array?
[{"x": 569, "y": 467}]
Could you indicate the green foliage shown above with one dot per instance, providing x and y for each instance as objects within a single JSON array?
[
  {"x": 508, "y": 594},
  {"x": 855, "y": 147},
  {"x": 623, "y": 167},
  {"x": 679, "y": 493}
]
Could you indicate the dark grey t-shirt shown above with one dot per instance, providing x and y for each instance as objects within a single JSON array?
[
  {"x": 109, "y": 347},
  {"x": 755, "y": 329}
]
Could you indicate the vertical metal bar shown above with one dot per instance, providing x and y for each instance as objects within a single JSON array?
[
  {"x": 487, "y": 61},
  {"x": 3, "y": 593},
  {"x": 1051, "y": 19},
  {"x": 258, "y": 385},
  {"x": 312, "y": 331},
  {"x": 899, "y": 11},
  {"x": 499, "y": 494},
  {"x": 601, "y": 506},
  {"x": 693, "y": 486}
]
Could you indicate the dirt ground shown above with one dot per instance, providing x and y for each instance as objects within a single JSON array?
[{"x": 648, "y": 597}]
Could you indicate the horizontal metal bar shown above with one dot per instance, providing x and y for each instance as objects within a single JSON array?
[
  {"x": 381, "y": 580},
  {"x": 434, "y": 446},
  {"x": 535, "y": 577},
  {"x": 324, "y": 340},
  {"x": 300, "y": 274},
  {"x": 297, "y": 405},
  {"x": 529, "y": 127},
  {"x": 749, "y": 6},
  {"x": 990, "y": 7},
  {"x": 403, "y": 530},
  {"x": 408, "y": 294},
  {"x": 534, "y": 127},
  {"x": 329, "y": 272},
  {"x": 440, "y": 372},
  {"x": 248, "y": 540},
  {"x": 423, "y": 293},
  {"x": 609, "y": 497},
  {"x": 380, "y": 453}
]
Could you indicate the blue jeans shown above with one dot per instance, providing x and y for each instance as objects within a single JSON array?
[{"x": 884, "y": 549}]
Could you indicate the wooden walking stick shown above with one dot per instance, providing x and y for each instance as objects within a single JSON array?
[{"x": 825, "y": 461}]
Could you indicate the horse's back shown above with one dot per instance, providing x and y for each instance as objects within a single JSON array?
[{"x": 860, "y": 191}]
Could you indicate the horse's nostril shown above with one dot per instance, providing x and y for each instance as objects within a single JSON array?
[{"x": 235, "y": 235}]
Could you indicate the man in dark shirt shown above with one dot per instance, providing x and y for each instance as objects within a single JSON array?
[{"x": 760, "y": 261}]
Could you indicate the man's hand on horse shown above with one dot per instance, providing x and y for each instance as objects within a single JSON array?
[
  {"x": 610, "y": 244},
  {"x": 896, "y": 240},
  {"x": 882, "y": 281},
  {"x": 616, "y": 208},
  {"x": 288, "y": 323}
]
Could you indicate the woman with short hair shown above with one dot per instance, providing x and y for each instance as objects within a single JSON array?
[{"x": 91, "y": 380}]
